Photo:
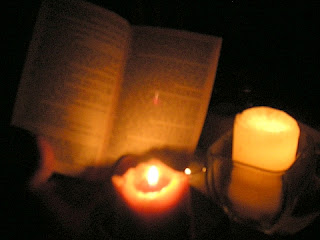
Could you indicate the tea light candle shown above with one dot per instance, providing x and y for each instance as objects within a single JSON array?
[
  {"x": 265, "y": 140},
  {"x": 152, "y": 188}
]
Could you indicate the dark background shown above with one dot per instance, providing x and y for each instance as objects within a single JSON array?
[{"x": 269, "y": 54}]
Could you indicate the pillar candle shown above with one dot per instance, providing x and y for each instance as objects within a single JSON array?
[
  {"x": 265, "y": 142},
  {"x": 266, "y": 138}
]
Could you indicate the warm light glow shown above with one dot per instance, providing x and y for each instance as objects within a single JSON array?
[
  {"x": 266, "y": 138},
  {"x": 156, "y": 98},
  {"x": 267, "y": 119},
  {"x": 255, "y": 194},
  {"x": 187, "y": 171},
  {"x": 153, "y": 176},
  {"x": 171, "y": 187}
]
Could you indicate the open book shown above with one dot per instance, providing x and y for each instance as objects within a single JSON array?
[{"x": 98, "y": 87}]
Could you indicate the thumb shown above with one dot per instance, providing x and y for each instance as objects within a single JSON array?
[{"x": 46, "y": 165}]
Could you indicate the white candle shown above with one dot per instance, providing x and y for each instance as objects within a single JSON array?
[
  {"x": 266, "y": 138},
  {"x": 265, "y": 142}
]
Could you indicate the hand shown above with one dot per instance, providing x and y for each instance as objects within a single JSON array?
[{"x": 46, "y": 164}]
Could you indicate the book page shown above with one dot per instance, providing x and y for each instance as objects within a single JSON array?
[
  {"x": 166, "y": 91},
  {"x": 71, "y": 79}
]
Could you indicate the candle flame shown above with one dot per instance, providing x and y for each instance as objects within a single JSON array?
[{"x": 153, "y": 175}]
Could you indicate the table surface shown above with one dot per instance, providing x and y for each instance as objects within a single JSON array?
[{"x": 207, "y": 220}]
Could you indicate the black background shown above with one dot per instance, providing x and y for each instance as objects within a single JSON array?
[{"x": 269, "y": 56}]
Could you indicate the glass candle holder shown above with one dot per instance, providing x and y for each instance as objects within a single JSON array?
[{"x": 274, "y": 202}]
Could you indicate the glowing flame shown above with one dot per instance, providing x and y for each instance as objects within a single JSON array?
[
  {"x": 153, "y": 175},
  {"x": 187, "y": 171}
]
